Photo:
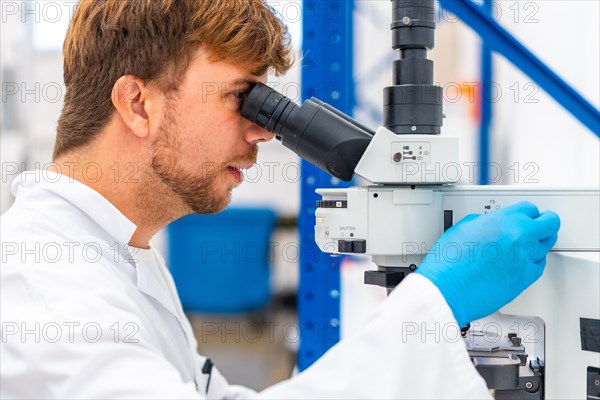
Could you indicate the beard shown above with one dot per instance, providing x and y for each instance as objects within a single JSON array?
[{"x": 196, "y": 190}]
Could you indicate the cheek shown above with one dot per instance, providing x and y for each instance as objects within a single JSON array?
[
  {"x": 210, "y": 134},
  {"x": 202, "y": 156},
  {"x": 194, "y": 150}
]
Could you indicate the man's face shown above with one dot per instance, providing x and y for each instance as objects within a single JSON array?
[{"x": 202, "y": 143}]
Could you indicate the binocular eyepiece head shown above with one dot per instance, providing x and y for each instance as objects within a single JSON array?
[{"x": 315, "y": 131}]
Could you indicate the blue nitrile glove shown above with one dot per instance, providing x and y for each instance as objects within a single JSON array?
[{"x": 485, "y": 261}]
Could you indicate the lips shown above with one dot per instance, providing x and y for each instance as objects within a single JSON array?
[
  {"x": 237, "y": 174},
  {"x": 236, "y": 166},
  {"x": 237, "y": 171},
  {"x": 240, "y": 167}
]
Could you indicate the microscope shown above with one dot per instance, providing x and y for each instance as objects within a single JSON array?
[{"x": 544, "y": 344}]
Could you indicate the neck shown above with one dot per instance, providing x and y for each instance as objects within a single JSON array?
[{"x": 130, "y": 186}]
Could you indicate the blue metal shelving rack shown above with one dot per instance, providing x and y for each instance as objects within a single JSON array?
[{"x": 327, "y": 73}]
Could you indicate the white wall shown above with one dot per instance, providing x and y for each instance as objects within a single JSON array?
[
  {"x": 32, "y": 84},
  {"x": 566, "y": 37}
]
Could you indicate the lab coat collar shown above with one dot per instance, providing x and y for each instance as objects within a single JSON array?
[
  {"x": 39, "y": 189},
  {"x": 148, "y": 283},
  {"x": 90, "y": 202},
  {"x": 104, "y": 214}
]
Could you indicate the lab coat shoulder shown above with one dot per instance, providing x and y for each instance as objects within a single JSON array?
[
  {"x": 72, "y": 321},
  {"x": 61, "y": 271}
]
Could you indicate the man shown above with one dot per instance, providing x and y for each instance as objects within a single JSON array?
[{"x": 89, "y": 310}]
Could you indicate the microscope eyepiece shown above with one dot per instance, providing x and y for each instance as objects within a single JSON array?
[
  {"x": 265, "y": 106},
  {"x": 315, "y": 131}
]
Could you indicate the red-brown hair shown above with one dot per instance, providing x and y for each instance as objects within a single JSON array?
[{"x": 154, "y": 40}]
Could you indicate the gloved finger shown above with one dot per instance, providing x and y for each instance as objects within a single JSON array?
[
  {"x": 534, "y": 271},
  {"x": 547, "y": 244},
  {"x": 468, "y": 218},
  {"x": 538, "y": 251},
  {"x": 522, "y": 207},
  {"x": 546, "y": 225}
]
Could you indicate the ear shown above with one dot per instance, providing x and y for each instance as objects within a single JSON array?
[{"x": 129, "y": 95}]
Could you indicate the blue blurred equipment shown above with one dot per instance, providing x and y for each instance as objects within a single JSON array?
[{"x": 220, "y": 263}]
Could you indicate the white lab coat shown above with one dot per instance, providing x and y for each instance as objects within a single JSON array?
[{"x": 83, "y": 318}]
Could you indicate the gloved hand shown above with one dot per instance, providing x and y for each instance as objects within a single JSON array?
[{"x": 485, "y": 261}]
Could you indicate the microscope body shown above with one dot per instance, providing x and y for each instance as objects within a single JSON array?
[{"x": 544, "y": 344}]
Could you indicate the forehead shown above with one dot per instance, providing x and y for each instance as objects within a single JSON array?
[{"x": 205, "y": 68}]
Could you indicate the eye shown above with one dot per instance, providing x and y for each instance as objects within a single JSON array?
[{"x": 241, "y": 96}]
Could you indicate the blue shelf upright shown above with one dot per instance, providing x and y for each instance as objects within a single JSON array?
[
  {"x": 327, "y": 73},
  {"x": 486, "y": 106}
]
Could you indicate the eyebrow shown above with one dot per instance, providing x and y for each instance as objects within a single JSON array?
[{"x": 242, "y": 82}]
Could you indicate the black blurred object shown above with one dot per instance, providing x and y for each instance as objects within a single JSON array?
[{"x": 414, "y": 104}]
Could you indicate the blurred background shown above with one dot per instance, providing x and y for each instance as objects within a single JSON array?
[{"x": 237, "y": 273}]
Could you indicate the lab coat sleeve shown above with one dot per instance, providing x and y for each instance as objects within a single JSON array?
[{"x": 411, "y": 349}]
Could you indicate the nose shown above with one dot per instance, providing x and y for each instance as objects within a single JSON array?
[{"x": 255, "y": 134}]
